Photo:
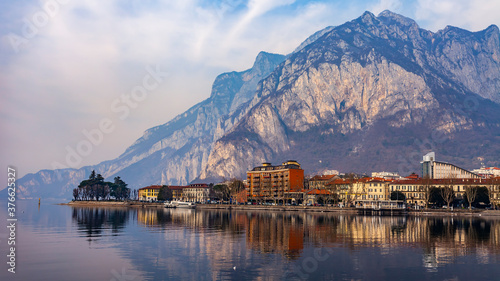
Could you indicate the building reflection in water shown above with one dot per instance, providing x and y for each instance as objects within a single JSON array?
[{"x": 442, "y": 239}]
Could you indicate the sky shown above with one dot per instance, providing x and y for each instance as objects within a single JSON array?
[{"x": 80, "y": 81}]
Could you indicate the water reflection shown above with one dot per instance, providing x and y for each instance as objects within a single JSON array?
[
  {"x": 220, "y": 240},
  {"x": 96, "y": 222}
]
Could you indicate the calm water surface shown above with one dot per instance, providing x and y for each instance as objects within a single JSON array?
[{"x": 118, "y": 244}]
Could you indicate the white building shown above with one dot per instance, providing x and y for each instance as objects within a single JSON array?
[
  {"x": 488, "y": 171},
  {"x": 385, "y": 175},
  {"x": 442, "y": 170}
]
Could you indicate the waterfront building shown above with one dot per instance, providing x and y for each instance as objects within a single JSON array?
[
  {"x": 440, "y": 170},
  {"x": 198, "y": 192},
  {"x": 313, "y": 196},
  {"x": 411, "y": 188},
  {"x": 376, "y": 189},
  {"x": 416, "y": 191},
  {"x": 149, "y": 193},
  {"x": 177, "y": 192},
  {"x": 275, "y": 182},
  {"x": 321, "y": 181}
]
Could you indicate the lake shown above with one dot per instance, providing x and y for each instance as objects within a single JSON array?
[{"x": 55, "y": 242}]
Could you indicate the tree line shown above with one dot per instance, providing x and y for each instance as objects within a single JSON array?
[{"x": 95, "y": 188}]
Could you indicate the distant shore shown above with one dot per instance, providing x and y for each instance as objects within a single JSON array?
[
  {"x": 111, "y": 204},
  {"x": 322, "y": 209}
]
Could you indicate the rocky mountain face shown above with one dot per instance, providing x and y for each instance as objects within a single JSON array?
[{"x": 375, "y": 93}]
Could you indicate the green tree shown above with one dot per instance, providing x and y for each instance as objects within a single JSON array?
[
  {"x": 165, "y": 193},
  {"x": 95, "y": 188},
  {"x": 398, "y": 195},
  {"x": 435, "y": 197},
  {"x": 222, "y": 192},
  {"x": 119, "y": 189}
]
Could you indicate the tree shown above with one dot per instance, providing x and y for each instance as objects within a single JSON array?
[
  {"x": 235, "y": 187},
  {"x": 482, "y": 196},
  {"x": 349, "y": 189},
  {"x": 470, "y": 195},
  {"x": 398, "y": 195},
  {"x": 119, "y": 189},
  {"x": 222, "y": 192},
  {"x": 435, "y": 196},
  {"x": 94, "y": 188},
  {"x": 76, "y": 194},
  {"x": 447, "y": 194},
  {"x": 426, "y": 189},
  {"x": 165, "y": 193},
  {"x": 320, "y": 200}
]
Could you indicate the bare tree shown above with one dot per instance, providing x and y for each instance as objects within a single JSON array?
[
  {"x": 471, "y": 193},
  {"x": 76, "y": 194},
  {"x": 235, "y": 186},
  {"x": 426, "y": 189},
  {"x": 447, "y": 191}
]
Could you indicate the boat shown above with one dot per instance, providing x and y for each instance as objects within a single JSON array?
[{"x": 180, "y": 204}]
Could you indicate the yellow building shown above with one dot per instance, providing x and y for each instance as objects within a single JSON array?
[{"x": 149, "y": 193}]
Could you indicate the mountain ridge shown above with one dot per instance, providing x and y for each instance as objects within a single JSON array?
[{"x": 365, "y": 90}]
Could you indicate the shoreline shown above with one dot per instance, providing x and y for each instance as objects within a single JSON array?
[{"x": 317, "y": 209}]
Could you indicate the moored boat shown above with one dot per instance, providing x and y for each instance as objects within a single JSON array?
[{"x": 180, "y": 204}]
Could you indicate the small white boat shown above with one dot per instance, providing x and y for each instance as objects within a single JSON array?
[{"x": 180, "y": 204}]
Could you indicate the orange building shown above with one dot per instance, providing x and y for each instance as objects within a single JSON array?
[{"x": 272, "y": 182}]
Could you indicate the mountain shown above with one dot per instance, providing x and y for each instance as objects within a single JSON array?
[{"x": 375, "y": 93}]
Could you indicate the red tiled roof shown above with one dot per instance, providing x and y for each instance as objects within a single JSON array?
[{"x": 318, "y": 192}]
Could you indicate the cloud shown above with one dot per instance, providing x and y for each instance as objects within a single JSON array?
[
  {"x": 392, "y": 5},
  {"x": 471, "y": 15},
  {"x": 66, "y": 77}
]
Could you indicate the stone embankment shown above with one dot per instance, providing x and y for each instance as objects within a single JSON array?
[
  {"x": 322, "y": 209},
  {"x": 112, "y": 204}
]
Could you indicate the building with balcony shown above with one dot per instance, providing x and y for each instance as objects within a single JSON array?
[{"x": 275, "y": 182}]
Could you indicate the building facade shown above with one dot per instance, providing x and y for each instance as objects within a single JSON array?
[
  {"x": 149, "y": 193},
  {"x": 441, "y": 170},
  {"x": 487, "y": 172},
  {"x": 196, "y": 193},
  {"x": 272, "y": 182},
  {"x": 321, "y": 181}
]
